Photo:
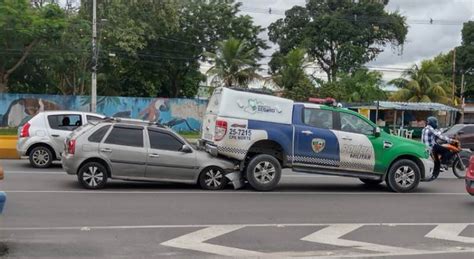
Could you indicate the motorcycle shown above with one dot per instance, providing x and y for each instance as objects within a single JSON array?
[{"x": 459, "y": 158}]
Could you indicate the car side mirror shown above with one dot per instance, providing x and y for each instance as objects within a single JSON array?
[
  {"x": 186, "y": 149},
  {"x": 377, "y": 132}
]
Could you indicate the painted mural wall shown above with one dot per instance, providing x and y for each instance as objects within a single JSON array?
[{"x": 179, "y": 114}]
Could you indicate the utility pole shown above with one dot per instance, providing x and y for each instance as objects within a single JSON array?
[
  {"x": 95, "y": 58},
  {"x": 454, "y": 75},
  {"x": 462, "y": 97}
]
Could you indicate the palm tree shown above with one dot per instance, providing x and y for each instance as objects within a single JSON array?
[
  {"x": 292, "y": 78},
  {"x": 234, "y": 63},
  {"x": 425, "y": 84}
]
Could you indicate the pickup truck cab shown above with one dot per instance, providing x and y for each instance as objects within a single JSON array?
[{"x": 267, "y": 133}]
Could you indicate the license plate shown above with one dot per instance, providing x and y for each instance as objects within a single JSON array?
[{"x": 208, "y": 136}]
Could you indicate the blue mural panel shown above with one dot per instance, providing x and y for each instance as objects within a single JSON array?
[{"x": 179, "y": 114}]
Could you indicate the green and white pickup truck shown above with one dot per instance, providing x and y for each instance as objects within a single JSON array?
[{"x": 268, "y": 133}]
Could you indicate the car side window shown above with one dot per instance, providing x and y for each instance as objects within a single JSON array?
[
  {"x": 164, "y": 141},
  {"x": 68, "y": 122},
  {"x": 318, "y": 118},
  {"x": 125, "y": 136},
  {"x": 354, "y": 124},
  {"x": 99, "y": 134},
  {"x": 93, "y": 118}
]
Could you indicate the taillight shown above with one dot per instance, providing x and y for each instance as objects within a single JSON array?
[
  {"x": 470, "y": 169},
  {"x": 25, "y": 130},
  {"x": 221, "y": 130},
  {"x": 71, "y": 146}
]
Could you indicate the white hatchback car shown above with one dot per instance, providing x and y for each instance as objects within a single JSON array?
[{"x": 42, "y": 137}]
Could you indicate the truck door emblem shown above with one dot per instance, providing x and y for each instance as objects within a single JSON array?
[{"x": 318, "y": 144}]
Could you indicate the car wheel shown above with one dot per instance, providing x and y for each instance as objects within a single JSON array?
[
  {"x": 403, "y": 176},
  {"x": 370, "y": 182},
  {"x": 41, "y": 157},
  {"x": 92, "y": 175},
  {"x": 263, "y": 172},
  {"x": 213, "y": 178}
]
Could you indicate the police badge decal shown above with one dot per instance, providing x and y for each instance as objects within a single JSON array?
[{"x": 318, "y": 145}]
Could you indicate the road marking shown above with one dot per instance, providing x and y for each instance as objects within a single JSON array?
[
  {"x": 332, "y": 234},
  {"x": 195, "y": 241},
  {"x": 241, "y": 192},
  {"x": 450, "y": 232},
  {"x": 35, "y": 172},
  {"x": 224, "y": 225}
]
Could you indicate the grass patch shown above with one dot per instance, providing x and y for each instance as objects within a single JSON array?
[
  {"x": 8, "y": 131},
  {"x": 190, "y": 134}
]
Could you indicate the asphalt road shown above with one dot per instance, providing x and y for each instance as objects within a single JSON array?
[{"x": 48, "y": 215}]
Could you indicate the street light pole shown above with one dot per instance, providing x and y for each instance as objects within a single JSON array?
[
  {"x": 95, "y": 57},
  {"x": 462, "y": 97}
]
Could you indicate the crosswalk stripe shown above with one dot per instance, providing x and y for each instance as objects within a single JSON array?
[
  {"x": 332, "y": 234},
  {"x": 195, "y": 241},
  {"x": 450, "y": 232}
]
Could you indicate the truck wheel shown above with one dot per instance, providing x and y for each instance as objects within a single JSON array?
[
  {"x": 403, "y": 176},
  {"x": 263, "y": 172},
  {"x": 41, "y": 157},
  {"x": 371, "y": 182}
]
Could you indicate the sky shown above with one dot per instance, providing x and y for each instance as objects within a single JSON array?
[{"x": 424, "y": 40}]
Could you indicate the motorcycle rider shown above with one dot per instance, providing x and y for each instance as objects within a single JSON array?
[{"x": 430, "y": 135}]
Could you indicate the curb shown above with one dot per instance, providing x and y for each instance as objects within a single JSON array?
[{"x": 8, "y": 147}]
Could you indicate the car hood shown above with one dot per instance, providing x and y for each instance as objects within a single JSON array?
[{"x": 205, "y": 159}]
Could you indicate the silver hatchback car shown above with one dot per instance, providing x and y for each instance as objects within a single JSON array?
[
  {"x": 137, "y": 150},
  {"x": 42, "y": 137}
]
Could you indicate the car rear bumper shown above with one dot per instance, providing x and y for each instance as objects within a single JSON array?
[
  {"x": 69, "y": 163},
  {"x": 21, "y": 146}
]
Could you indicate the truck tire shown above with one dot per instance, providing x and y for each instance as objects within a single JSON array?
[
  {"x": 403, "y": 176},
  {"x": 263, "y": 172}
]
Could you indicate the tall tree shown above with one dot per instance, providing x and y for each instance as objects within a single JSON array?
[
  {"x": 22, "y": 28},
  {"x": 423, "y": 84},
  {"x": 465, "y": 58},
  {"x": 235, "y": 63},
  {"x": 339, "y": 35},
  {"x": 292, "y": 78}
]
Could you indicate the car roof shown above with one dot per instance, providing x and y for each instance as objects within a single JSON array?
[{"x": 56, "y": 112}]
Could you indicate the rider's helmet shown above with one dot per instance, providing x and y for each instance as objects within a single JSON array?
[{"x": 432, "y": 121}]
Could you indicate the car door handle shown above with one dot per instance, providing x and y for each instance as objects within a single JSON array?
[
  {"x": 154, "y": 155},
  {"x": 106, "y": 150},
  {"x": 307, "y": 132},
  {"x": 55, "y": 135},
  {"x": 346, "y": 138}
]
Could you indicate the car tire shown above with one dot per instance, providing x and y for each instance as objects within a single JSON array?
[
  {"x": 403, "y": 176},
  {"x": 370, "y": 182},
  {"x": 41, "y": 157},
  {"x": 213, "y": 178},
  {"x": 263, "y": 172},
  {"x": 92, "y": 175}
]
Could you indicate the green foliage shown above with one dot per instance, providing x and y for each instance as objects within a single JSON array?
[
  {"x": 22, "y": 29},
  {"x": 360, "y": 86},
  {"x": 423, "y": 84},
  {"x": 339, "y": 36},
  {"x": 235, "y": 63},
  {"x": 291, "y": 76},
  {"x": 465, "y": 58}
]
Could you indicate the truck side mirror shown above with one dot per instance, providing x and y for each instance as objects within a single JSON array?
[{"x": 377, "y": 132}]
